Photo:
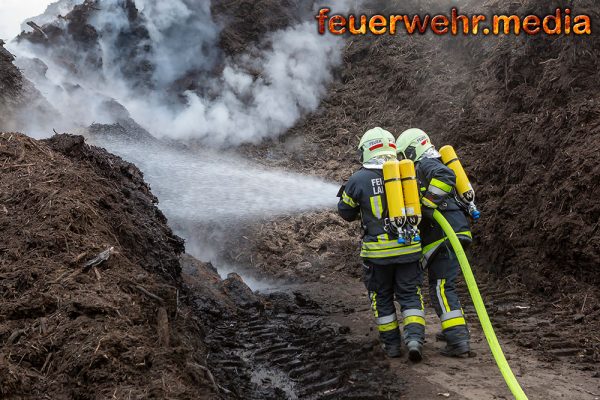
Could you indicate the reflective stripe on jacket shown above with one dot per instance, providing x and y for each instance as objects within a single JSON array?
[
  {"x": 432, "y": 174},
  {"x": 364, "y": 196}
]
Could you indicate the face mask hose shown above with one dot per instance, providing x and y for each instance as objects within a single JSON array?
[{"x": 484, "y": 319}]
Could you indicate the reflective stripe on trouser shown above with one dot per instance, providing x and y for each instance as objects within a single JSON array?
[
  {"x": 382, "y": 305},
  {"x": 414, "y": 324},
  {"x": 413, "y": 316},
  {"x": 443, "y": 270},
  {"x": 387, "y": 323},
  {"x": 402, "y": 281},
  {"x": 451, "y": 319}
]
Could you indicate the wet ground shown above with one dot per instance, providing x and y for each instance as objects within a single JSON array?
[
  {"x": 291, "y": 351},
  {"x": 317, "y": 341}
]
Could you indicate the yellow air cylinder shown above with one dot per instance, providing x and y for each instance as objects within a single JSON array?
[
  {"x": 463, "y": 186},
  {"x": 410, "y": 188},
  {"x": 393, "y": 189}
]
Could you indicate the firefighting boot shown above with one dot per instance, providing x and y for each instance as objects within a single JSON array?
[
  {"x": 457, "y": 342},
  {"x": 415, "y": 351},
  {"x": 462, "y": 350},
  {"x": 392, "y": 350}
]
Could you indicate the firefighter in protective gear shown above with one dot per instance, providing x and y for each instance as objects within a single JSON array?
[
  {"x": 390, "y": 268},
  {"x": 437, "y": 185}
]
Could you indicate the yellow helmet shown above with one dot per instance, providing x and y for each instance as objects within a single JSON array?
[
  {"x": 376, "y": 142},
  {"x": 412, "y": 143}
]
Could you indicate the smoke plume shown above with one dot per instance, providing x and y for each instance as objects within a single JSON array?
[
  {"x": 145, "y": 53},
  {"x": 159, "y": 64}
]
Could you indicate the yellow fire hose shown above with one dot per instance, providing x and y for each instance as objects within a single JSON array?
[{"x": 490, "y": 335}]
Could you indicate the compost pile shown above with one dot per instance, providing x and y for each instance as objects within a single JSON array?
[
  {"x": 19, "y": 99},
  {"x": 98, "y": 299},
  {"x": 11, "y": 83},
  {"x": 245, "y": 22},
  {"x": 71, "y": 329}
]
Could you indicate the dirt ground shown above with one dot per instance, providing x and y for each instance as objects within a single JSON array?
[{"x": 555, "y": 375}]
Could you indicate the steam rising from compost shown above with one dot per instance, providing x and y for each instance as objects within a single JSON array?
[
  {"x": 158, "y": 63},
  {"x": 140, "y": 53}
]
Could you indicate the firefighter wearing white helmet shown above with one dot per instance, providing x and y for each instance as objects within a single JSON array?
[
  {"x": 390, "y": 268},
  {"x": 437, "y": 185}
]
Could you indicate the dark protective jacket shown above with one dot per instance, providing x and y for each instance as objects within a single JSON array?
[
  {"x": 434, "y": 176},
  {"x": 364, "y": 196}
]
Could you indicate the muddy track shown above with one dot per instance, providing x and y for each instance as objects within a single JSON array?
[
  {"x": 290, "y": 352},
  {"x": 547, "y": 362},
  {"x": 531, "y": 324}
]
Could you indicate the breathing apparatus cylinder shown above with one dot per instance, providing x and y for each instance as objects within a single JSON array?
[
  {"x": 412, "y": 202},
  {"x": 394, "y": 195},
  {"x": 463, "y": 186}
]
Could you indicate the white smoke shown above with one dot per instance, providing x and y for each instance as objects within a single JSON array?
[
  {"x": 142, "y": 62},
  {"x": 209, "y": 197},
  {"x": 177, "y": 33},
  {"x": 258, "y": 94},
  {"x": 294, "y": 74}
]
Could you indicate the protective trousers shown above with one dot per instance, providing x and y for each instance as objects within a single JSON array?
[
  {"x": 443, "y": 271},
  {"x": 404, "y": 281}
]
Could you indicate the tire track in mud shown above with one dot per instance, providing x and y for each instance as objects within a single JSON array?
[{"x": 289, "y": 352}]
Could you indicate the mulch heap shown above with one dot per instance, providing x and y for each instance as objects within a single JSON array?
[
  {"x": 11, "y": 83},
  {"x": 118, "y": 328}
]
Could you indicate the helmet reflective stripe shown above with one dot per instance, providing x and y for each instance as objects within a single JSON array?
[
  {"x": 412, "y": 143},
  {"x": 376, "y": 142}
]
